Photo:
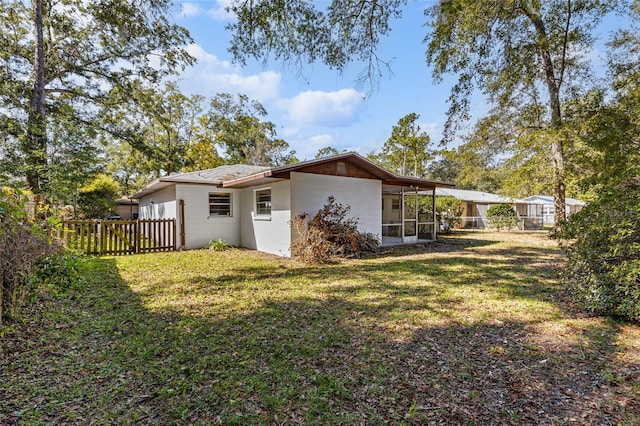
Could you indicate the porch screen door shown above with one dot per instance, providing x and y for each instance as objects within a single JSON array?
[{"x": 410, "y": 219}]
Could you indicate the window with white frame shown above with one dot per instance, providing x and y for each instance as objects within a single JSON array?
[
  {"x": 219, "y": 204},
  {"x": 263, "y": 202}
]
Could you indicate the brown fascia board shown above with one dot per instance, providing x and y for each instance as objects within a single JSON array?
[
  {"x": 246, "y": 179},
  {"x": 283, "y": 172}
]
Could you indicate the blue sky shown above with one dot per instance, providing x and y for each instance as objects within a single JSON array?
[{"x": 323, "y": 108}]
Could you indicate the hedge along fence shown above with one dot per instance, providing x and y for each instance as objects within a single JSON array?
[
  {"x": 22, "y": 245},
  {"x": 117, "y": 237}
]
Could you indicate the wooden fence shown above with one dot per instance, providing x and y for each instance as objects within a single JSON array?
[{"x": 117, "y": 237}]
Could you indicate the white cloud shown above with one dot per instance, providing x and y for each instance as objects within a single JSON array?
[
  {"x": 212, "y": 75},
  {"x": 433, "y": 129},
  {"x": 331, "y": 109},
  {"x": 290, "y": 132},
  {"x": 219, "y": 12},
  {"x": 306, "y": 147},
  {"x": 189, "y": 10},
  {"x": 321, "y": 141}
]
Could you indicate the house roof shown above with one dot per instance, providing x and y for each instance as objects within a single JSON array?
[
  {"x": 283, "y": 172},
  {"x": 548, "y": 199},
  {"x": 242, "y": 175},
  {"x": 477, "y": 196},
  {"x": 126, "y": 201},
  {"x": 210, "y": 176}
]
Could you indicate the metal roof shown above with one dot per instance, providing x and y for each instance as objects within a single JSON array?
[
  {"x": 478, "y": 196},
  {"x": 548, "y": 199}
]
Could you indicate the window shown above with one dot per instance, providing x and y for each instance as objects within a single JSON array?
[
  {"x": 395, "y": 204},
  {"x": 219, "y": 204},
  {"x": 263, "y": 202}
]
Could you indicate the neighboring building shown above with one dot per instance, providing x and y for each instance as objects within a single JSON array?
[
  {"x": 546, "y": 204},
  {"x": 476, "y": 203},
  {"x": 252, "y": 206},
  {"x": 126, "y": 208}
]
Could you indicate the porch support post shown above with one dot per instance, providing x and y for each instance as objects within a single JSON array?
[
  {"x": 402, "y": 214},
  {"x": 415, "y": 199},
  {"x": 434, "y": 234}
]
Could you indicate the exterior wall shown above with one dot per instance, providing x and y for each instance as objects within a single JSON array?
[
  {"x": 548, "y": 208},
  {"x": 126, "y": 211},
  {"x": 309, "y": 193},
  {"x": 200, "y": 227},
  {"x": 573, "y": 209},
  {"x": 268, "y": 234},
  {"x": 159, "y": 205}
]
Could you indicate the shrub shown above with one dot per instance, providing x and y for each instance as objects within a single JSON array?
[
  {"x": 219, "y": 245},
  {"x": 448, "y": 212},
  {"x": 603, "y": 250},
  {"x": 59, "y": 272},
  {"x": 95, "y": 199},
  {"x": 22, "y": 245},
  {"x": 502, "y": 216},
  {"x": 329, "y": 234}
]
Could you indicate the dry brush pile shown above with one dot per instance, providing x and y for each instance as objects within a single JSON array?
[{"x": 330, "y": 234}]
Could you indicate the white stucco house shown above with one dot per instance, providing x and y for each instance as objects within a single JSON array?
[
  {"x": 252, "y": 206},
  {"x": 546, "y": 203},
  {"x": 476, "y": 203}
]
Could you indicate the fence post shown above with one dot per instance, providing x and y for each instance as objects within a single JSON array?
[
  {"x": 173, "y": 235},
  {"x": 103, "y": 238}
]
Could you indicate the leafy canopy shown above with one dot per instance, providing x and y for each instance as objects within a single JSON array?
[
  {"x": 407, "y": 151},
  {"x": 88, "y": 50}
]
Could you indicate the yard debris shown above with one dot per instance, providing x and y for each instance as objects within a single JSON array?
[{"x": 330, "y": 234}]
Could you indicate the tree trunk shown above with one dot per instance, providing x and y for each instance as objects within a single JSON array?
[
  {"x": 36, "y": 144},
  {"x": 553, "y": 89},
  {"x": 559, "y": 215}
]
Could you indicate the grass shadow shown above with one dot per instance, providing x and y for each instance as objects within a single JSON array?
[{"x": 375, "y": 341}]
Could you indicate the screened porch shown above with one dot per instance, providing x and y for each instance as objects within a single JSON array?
[{"x": 408, "y": 215}]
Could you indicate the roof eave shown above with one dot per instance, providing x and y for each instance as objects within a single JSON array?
[
  {"x": 239, "y": 182},
  {"x": 154, "y": 186}
]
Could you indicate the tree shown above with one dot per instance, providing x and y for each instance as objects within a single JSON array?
[
  {"x": 246, "y": 139},
  {"x": 127, "y": 166},
  {"x": 202, "y": 151},
  {"x": 601, "y": 241},
  {"x": 73, "y": 54},
  {"x": 74, "y": 159},
  {"x": 160, "y": 123},
  {"x": 448, "y": 213},
  {"x": 406, "y": 152},
  {"x": 445, "y": 167},
  {"x": 523, "y": 50},
  {"x": 327, "y": 151},
  {"x": 296, "y": 31},
  {"x": 97, "y": 198}
]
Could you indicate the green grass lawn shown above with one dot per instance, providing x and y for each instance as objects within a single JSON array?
[{"x": 473, "y": 329}]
